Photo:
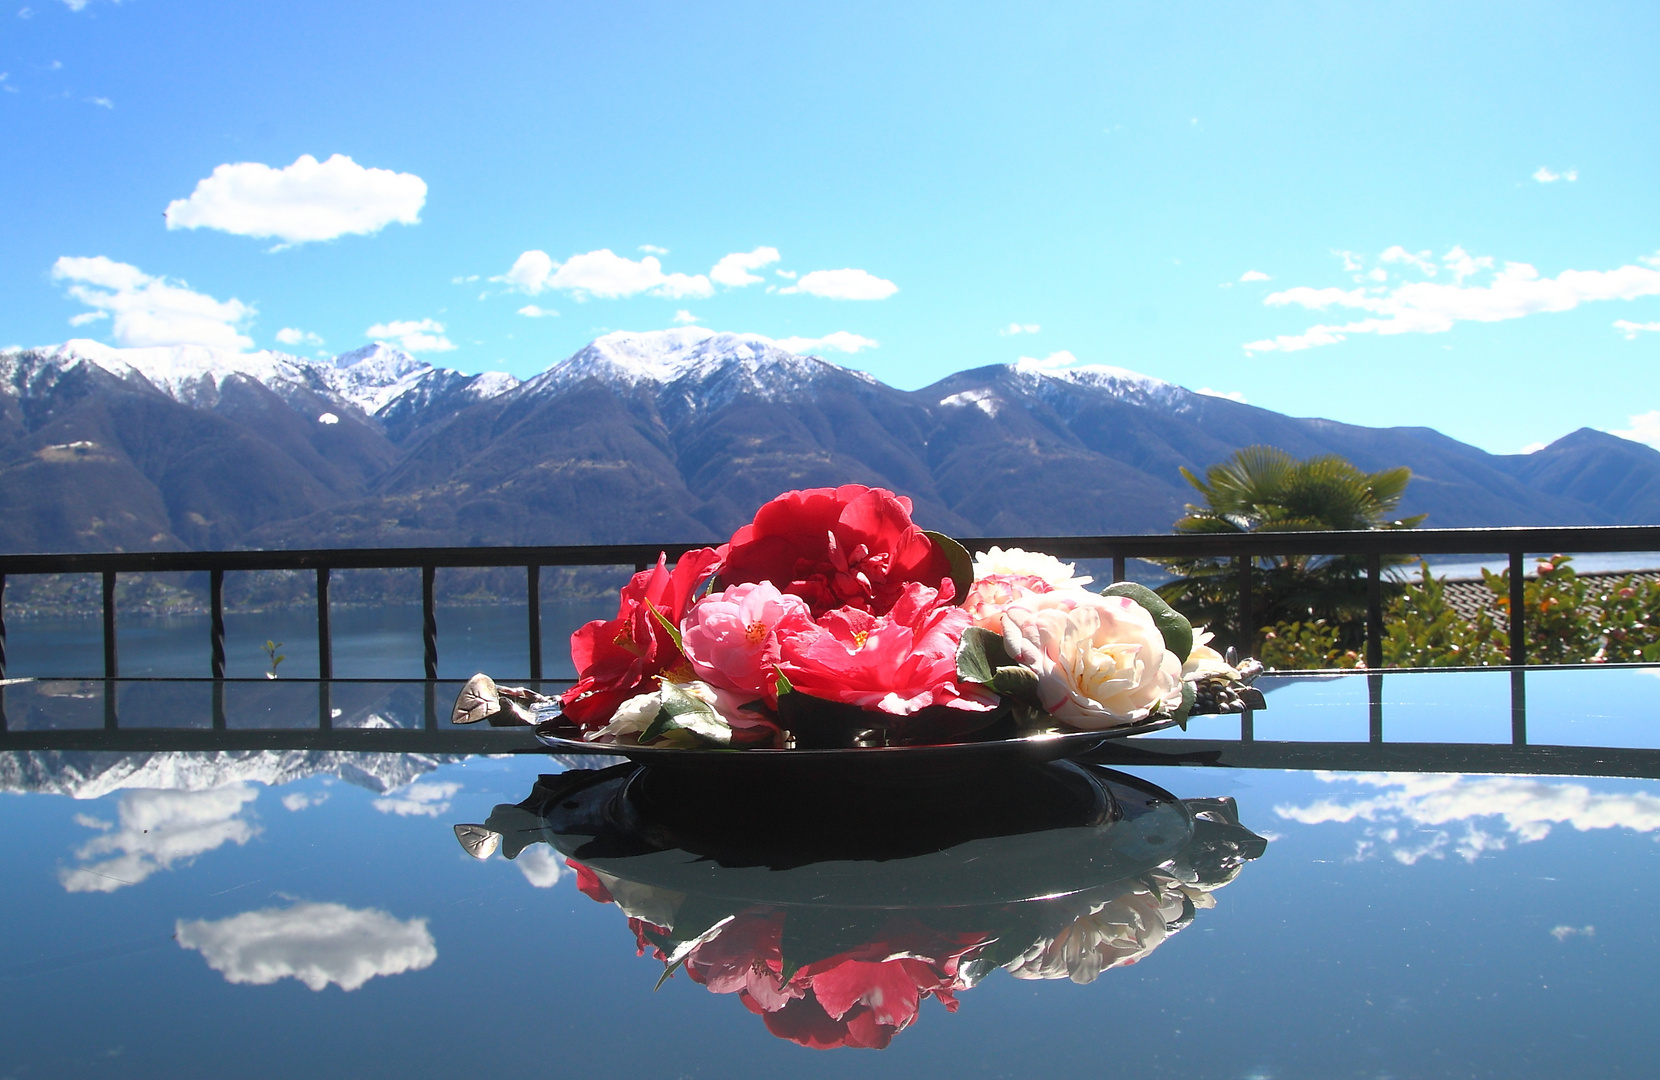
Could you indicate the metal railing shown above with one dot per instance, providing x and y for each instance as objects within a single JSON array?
[{"x": 1245, "y": 549}]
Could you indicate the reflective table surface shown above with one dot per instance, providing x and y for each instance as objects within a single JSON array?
[{"x": 1409, "y": 875}]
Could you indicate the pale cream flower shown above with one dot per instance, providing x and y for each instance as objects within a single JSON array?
[
  {"x": 1018, "y": 563},
  {"x": 1205, "y": 662},
  {"x": 1100, "y": 660}
]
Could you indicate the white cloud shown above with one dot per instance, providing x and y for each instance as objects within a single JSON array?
[
  {"x": 317, "y": 944},
  {"x": 1632, "y": 329},
  {"x": 306, "y": 201},
  {"x": 540, "y": 865},
  {"x": 1645, "y": 428},
  {"x": 151, "y": 310},
  {"x": 653, "y": 249},
  {"x": 293, "y": 335},
  {"x": 463, "y": 279},
  {"x": 845, "y": 284},
  {"x": 1545, "y": 176},
  {"x": 101, "y": 102},
  {"x": 86, "y": 317},
  {"x": 1533, "y": 447},
  {"x": 734, "y": 270},
  {"x": 1254, "y": 275},
  {"x": 156, "y": 830},
  {"x": 1231, "y": 395},
  {"x": 788, "y": 274},
  {"x": 840, "y": 341},
  {"x": 684, "y": 318},
  {"x": 1423, "y": 307},
  {"x": 602, "y": 274},
  {"x": 73, "y": 5},
  {"x": 300, "y": 800},
  {"x": 1422, "y": 259},
  {"x": 420, "y": 799},
  {"x": 1528, "y": 807},
  {"x": 1563, "y": 933},
  {"x": 1019, "y": 328},
  {"x": 427, "y": 335},
  {"x": 533, "y": 312},
  {"x": 1055, "y": 360}
]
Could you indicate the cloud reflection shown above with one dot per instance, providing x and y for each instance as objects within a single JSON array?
[
  {"x": 1528, "y": 807},
  {"x": 155, "y": 830},
  {"x": 317, "y": 944},
  {"x": 422, "y": 798}
]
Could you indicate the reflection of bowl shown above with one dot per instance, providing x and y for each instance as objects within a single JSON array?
[
  {"x": 832, "y": 911},
  {"x": 1023, "y": 832}
]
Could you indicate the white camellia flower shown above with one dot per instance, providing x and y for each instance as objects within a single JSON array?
[
  {"x": 1016, "y": 562},
  {"x": 1100, "y": 660},
  {"x": 636, "y": 714}
]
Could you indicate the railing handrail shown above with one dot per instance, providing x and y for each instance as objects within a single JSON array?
[{"x": 1243, "y": 548}]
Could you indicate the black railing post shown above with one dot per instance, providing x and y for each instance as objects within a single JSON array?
[
  {"x": 216, "y": 623},
  {"x": 1247, "y": 619},
  {"x": 112, "y": 668},
  {"x": 1518, "y": 612},
  {"x": 1374, "y": 706},
  {"x": 533, "y": 597},
  {"x": 2, "y": 639},
  {"x": 325, "y": 639},
  {"x": 1374, "y": 611},
  {"x": 325, "y": 705},
  {"x": 1518, "y": 708},
  {"x": 1117, "y": 569},
  {"x": 429, "y": 621}
]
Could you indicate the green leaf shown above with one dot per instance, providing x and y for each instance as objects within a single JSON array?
[
  {"x": 683, "y": 712},
  {"x": 980, "y": 654},
  {"x": 783, "y": 685},
  {"x": 1172, "y": 624},
  {"x": 1190, "y": 694},
  {"x": 663, "y": 621},
  {"x": 962, "y": 563},
  {"x": 1017, "y": 681}
]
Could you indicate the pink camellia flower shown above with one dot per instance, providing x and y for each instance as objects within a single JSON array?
[
  {"x": 731, "y": 637},
  {"x": 1100, "y": 660},
  {"x": 619, "y": 659},
  {"x": 899, "y": 663},
  {"x": 851, "y": 546},
  {"x": 989, "y": 596}
]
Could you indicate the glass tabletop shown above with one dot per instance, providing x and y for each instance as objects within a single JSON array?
[{"x": 1409, "y": 875}]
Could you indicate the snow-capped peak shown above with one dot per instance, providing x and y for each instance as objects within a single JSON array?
[
  {"x": 370, "y": 378},
  {"x": 1120, "y": 382},
  {"x": 706, "y": 367}
]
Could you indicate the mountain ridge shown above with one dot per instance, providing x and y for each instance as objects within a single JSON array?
[{"x": 670, "y": 435}]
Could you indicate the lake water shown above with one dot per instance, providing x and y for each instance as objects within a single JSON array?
[{"x": 380, "y": 642}]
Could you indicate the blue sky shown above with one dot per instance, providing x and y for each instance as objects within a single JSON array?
[{"x": 1205, "y": 193}]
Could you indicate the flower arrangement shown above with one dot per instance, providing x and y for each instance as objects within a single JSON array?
[{"x": 832, "y": 619}]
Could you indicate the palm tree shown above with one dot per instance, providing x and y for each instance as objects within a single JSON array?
[{"x": 1264, "y": 489}]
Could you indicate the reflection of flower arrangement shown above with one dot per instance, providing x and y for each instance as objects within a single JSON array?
[
  {"x": 831, "y": 977},
  {"x": 832, "y": 619}
]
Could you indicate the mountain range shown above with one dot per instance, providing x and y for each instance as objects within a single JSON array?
[{"x": 668, "y": 436}]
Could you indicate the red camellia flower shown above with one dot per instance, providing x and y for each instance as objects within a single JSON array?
[
  {"x": 851, "y": 546},
  {"x": 617, "y": 659},
  {"x": 899, "y": 663}
]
